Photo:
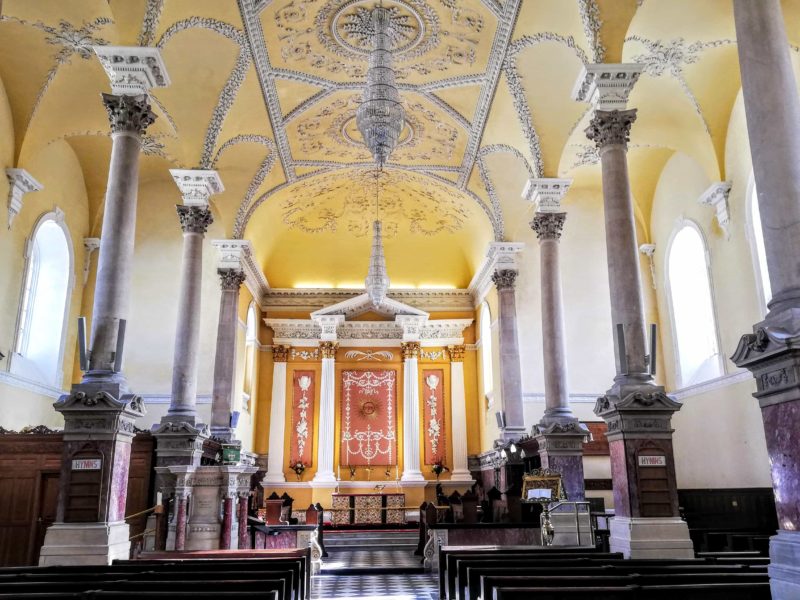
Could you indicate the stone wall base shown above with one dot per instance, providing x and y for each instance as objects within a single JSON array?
[
  {"x": 666, "y": 537},
  {"x": 85, "y": 544},
  {"x": 784, "y": 567}
]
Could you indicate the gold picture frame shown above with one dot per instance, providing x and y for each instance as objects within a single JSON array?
[{"x": 543, "y": 479}]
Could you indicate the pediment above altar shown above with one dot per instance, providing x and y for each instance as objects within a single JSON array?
[{"x": 358, "y": 305}]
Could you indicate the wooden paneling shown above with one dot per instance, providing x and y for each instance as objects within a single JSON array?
[
  {"x": 729, "y": 509},
  {"x": 30, "y": 465}
]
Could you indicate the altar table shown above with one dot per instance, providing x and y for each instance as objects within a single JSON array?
[{"x": 368, "y": 509}]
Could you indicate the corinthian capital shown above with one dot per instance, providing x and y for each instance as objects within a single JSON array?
[
  {"x": 410, "y": 350},
  {"x": 128, "y": 114},
  {"x": 548, "y": 226},
  {"x": 328, "y": 349},
  {"x": 504, "y": 279},
  {"x": 231, "y": 279},
  {"x": 611, "y": 127},
  {"x": 194, "y": 219}
]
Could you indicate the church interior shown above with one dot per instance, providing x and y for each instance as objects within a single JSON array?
[{"x": 406, "y": 299}]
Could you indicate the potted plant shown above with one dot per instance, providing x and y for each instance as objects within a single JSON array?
[
  {"x": 438, "y": 468},
  {"x": 299, "y": 468}
]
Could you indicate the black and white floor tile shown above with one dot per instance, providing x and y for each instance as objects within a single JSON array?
[
  {"x": 374, "y": 587},
  {"x": 361, "y": 559}
]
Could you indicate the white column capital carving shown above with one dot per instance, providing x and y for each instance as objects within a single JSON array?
[
  {"x": 499, "y": 256},
  {"x": 606, "y": 86},
  {"x": 197, "y": 185},
  {"x": 238, "y": 254},
  {"x": 20, "y": 182},
  {"x": 546, "y": 193},
  {"x": 329, "y": 325},
  {"x": 132, "y": 70},
  {"x": 716, "y": 196}
]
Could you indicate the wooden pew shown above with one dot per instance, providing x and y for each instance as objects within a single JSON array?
[{"x": 712, "y": 591}]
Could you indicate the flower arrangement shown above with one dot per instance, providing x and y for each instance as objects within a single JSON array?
[
  {"x": 299, "y": 468},
  {"x": 438, "y": 468}
]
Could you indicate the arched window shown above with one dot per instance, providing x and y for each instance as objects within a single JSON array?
[
  {"x": 757, "y": 248},
  {"x": 39, "y": 344},
  {"x": 693, "y": 321},
  {"x": 486, "y": 352},
  {"x": 251, "y": 343}
]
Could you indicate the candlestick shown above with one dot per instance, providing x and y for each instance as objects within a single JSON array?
[{"x": 397, "y": 472}]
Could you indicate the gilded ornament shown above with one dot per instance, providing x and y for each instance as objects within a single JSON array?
[
  {"x": 280, "y": 353},
  {"x": 456, "y": 353},
  {"x": 328, "y": 349},
  {"x": 410, "y": 350}
]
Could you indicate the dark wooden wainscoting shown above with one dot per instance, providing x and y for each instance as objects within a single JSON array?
[
  {"x": 30, "y": 465},
  {"x": 730, "y": 508}
]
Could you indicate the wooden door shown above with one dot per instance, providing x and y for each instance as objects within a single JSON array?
[{"x": 48, "y": 504}]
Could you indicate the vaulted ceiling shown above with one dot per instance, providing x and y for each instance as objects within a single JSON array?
[{"x": 265, "y": 91}]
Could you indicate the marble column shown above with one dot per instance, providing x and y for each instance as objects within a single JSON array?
[
  {"x": 99, "y": 412},
  {"x": 277, "y": 416},
  {"x": 225, "y": 359},
  {"x": 458, "y": 412},
  {"x": 638, "y": 412},
  {"x": 195, "y": 217},
  {"x": 241, "y": 516},
  {"x": 510, "y": 369},
  {"x": 180, "y": 522},
  {"x": 559, "y": 433},
  {"x": 411, "y": 435},
  {"x": 227, "y": 523},
  {"x": 771, "y": 352},
  {"x": 327, "y": 414}
]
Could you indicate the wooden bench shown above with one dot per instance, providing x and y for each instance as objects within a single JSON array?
[{"x": 713, "y": 591}]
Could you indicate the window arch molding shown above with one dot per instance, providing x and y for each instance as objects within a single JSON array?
[
  {"x": 20, "y": 364},
  {"x": 755, "y": 240},
  {"x": 713, "y": 365}
]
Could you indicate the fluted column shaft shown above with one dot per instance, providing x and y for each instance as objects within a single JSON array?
[
  {"x": 225, "y": 359},
  {"x": 510, "y": 369},
  {"x": 194, "y": 223},
  {"x": 327, "y": 414},
  {"x": 277, "y": 416},
  {"x": 130, "y": 116},
  {"x": 411, "y": 435}
]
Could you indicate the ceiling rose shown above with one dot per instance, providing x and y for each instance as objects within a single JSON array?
[{"x": 344, "y": 27}]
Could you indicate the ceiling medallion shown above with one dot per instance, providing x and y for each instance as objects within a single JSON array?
[{"x": 345, "y": 27}]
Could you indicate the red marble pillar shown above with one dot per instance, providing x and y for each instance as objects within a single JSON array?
[
  {"x": 243, "y": 540},
  {"x": 227, "y": 523},
  {"x": 180, "y": 524}
]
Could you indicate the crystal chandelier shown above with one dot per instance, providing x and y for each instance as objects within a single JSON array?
[
  {"x": 377, "y": 282},
  {"x": 380, "y": 116}
]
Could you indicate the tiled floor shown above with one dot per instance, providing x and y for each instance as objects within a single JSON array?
[
  {"x": 360, "y": 559},
  {"x": 374, "y": 587}
]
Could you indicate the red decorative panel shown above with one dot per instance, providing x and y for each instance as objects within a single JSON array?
[
  {"x": 433, "y": 411},
  {"x": 599, "y": 444},
  {"x": 368, "y": 420},
  {"x": 301, "y": 445}
]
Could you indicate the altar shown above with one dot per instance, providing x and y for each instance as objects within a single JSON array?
[{"x": 368, "y": 509}]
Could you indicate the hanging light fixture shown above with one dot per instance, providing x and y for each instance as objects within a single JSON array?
[
  {"x": 377, "y": 282},
  {"x": 380, "y": 116}
]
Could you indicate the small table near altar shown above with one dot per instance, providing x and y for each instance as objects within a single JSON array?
[{"x": 368, "y": 509}]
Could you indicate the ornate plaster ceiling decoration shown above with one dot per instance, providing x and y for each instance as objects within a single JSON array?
[{"x": 346, "y": 201}]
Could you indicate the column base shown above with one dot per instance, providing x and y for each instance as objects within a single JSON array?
[
  {"x": 179, "y": 442},
  {"x": 461, "y": 476},
  {"x": 324, "y": 477},
  {"x": 410, "y": 475},
  {"x": 85, "y": 544},
  {"x": 274, "y": 478},
  {"x": 784, "y": 565},
  {"x": 513, "y": 434},
  {"x": 638, "y": 537},
  {"x": 225, "y": 434}
]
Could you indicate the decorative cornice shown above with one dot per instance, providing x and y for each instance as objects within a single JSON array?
[
  {"x": 504, "y": 279},
  {"x": 606, "y": 86},
  {"x": 315, "y": 299},
  {"x": 128, "y": 114},
  {"x": 611, "y": 128},
  {"x": 132, "y": 70},
  {"x": 716, "y": 196},
  {"x": 20, "y": 182},
  {"x": 238, "y": 254},
  {"x": 546, "y": 193},
  {"x": 197, "y": 185},
  {"x": 548, "y": 225},
  {"x": 194, "y": 219},
  {"x": 499, "y": 255}
]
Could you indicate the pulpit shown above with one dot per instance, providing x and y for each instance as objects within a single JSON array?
[{"x": 368, "y": 509}]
